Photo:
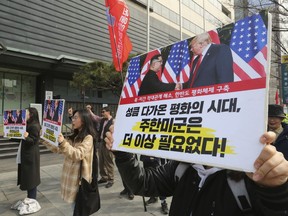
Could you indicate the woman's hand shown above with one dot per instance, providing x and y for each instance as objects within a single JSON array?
[
  {"x": 26, "y": 134},
  {"x": 60, "y": 138}
]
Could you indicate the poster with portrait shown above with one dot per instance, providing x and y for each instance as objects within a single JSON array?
[
  {"x": 14, "y": 122},
  {"x": 210, "y": 113},
  {"x": 52, "y": 120}
]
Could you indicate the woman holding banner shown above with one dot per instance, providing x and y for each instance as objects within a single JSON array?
[
  {"x": 79, "y": 158},
  {"x": 28, "y": 159}
]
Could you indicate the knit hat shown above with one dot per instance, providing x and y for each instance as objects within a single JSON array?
[{"x": 275, "y": 110}]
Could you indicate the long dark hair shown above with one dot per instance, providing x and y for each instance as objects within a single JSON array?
[
  {"x": 87, "y": 126},
  {"x": 34, "y": 117}
]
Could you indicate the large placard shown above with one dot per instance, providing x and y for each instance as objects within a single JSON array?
[{"x": 208, "y": 107}]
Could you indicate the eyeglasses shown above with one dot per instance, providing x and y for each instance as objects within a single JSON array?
[{"x": 75, "y": 117}]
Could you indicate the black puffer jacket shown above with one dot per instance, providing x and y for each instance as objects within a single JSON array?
[{"x": 214, "y": 198}]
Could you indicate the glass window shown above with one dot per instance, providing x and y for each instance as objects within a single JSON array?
[
  {"x": 186, "y": 24},
  {"x": 60, "y": 88},
  {"x": 173, "y": 17},
  {"x": 186, "y": 2},
  {"x": 12, "y": 91},
  {"x": 165, "y": 12},
  {"x": 157, "y": 7},
  {"x": 28, "y": 90}
]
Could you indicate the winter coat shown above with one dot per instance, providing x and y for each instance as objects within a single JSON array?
[
  {"x": 29, "y": 169},
  {"x": 281, "y": 143},
  {"x": 214, "y": 198},
  {"x": 74, "y": 153}
]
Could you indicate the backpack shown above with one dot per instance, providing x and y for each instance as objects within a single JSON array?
[{"x": 238, "y": 189}]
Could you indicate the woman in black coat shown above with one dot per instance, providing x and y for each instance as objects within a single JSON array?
[{"x": 29, "y": 168}]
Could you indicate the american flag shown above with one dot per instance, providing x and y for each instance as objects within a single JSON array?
[
  {"x": 177, "y": 67},
  {"x": 136, "y": 73},
  {"x": 5, "y": 119},
  {"x": 249, "y": 48},
  {"x": 24, "y": 116},
  {"x": 133, "y": 82},
  {"x": 60, "y": 110}
]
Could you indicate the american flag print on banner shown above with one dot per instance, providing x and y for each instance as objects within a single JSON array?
[
  {"x": 249, "y": 48},
  {"x": 136, "y": 73},
  {"x": 177, "y": 67},
  {"x": 247, "y": 39},
  {"x": 133, "y": 82}
]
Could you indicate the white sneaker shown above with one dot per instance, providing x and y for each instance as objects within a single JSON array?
[
  {"x": 29, "y": 206},
  {"x": 17, "y": 205}
]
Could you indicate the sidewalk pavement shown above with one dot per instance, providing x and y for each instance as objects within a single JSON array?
[{"x": 48, "y": 194}]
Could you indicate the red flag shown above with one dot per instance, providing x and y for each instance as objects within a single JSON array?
[
  {"x": 118, "y": 19},
  {"x": 277, "y": 97}
]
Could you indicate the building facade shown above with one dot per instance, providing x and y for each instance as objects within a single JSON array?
[{"x": 44, "y": 42}]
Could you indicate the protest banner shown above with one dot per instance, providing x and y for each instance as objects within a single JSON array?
[
  {"x": 52, "y": 120},
  {"x": 220, "y": 112},
  {"x": 14, "y": 122}
]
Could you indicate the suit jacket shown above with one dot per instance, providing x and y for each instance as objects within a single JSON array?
[
  {"x": 151, "y": 84},
  {"x": 216, "y": 67}
]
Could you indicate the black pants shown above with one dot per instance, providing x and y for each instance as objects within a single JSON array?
[{"x": 32, "y": 193}]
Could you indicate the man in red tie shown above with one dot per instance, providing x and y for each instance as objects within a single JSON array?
[{"x": 211, "y": 63}]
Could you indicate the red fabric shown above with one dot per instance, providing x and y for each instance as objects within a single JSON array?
[
  {"x": 277, "y": 97},
  {"x": 118, "y": 17},
  {"x": 196, "y": 69},
  {"x": 214, "y": 36}
]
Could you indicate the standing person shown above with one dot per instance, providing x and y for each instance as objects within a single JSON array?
[
  {"x": 211, "y": 63},
  {"x": 19, "y": 118},
  {"x": 77, "y": 149},
  {"x": 56, "y": 114},
  {"x": 10, "y": 118},
  {"x": 106, "y": 164},
  {"x": 48, "y": 111},
  {"x": 151, "y": 83},
  {"x": 28, "y": 158},
  {"x": 154, "y": 162},
  {"x": 206, "y": 191},
  {"x": 70, "y": 113},
  {"x": 275, "y": 124}
]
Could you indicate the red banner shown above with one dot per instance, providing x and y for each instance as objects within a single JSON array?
[{"x": 118, "y": 19}]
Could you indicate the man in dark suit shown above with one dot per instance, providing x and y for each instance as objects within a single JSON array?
[
  {"x": 151, "y": 83},
  {"x": 211, "y": 63}
]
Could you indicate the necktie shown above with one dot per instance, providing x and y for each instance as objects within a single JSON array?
[{"x": 195, "y": 67}]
